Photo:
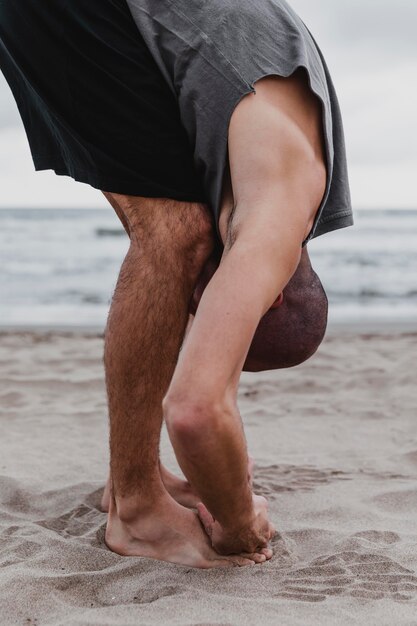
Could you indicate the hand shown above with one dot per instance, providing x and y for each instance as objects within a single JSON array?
[{"x": 249, "y": 538}]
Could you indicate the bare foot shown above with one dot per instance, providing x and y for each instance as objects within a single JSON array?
[
  {"x": 170, "y": 532},
  {"x": 179, "y": 489}
]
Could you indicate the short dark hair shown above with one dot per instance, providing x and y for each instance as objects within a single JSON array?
[{"x": 291, "y": 333}]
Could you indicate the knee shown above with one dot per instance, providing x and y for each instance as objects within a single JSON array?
[
  {"x": 194, "y": 237},
  {"x": 178, "y": 234},
  {"x": 192, "y": 241}
]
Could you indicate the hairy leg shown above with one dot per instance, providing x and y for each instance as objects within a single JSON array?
[
  {"x": 179, "y": 489},
  {"x": 169, "y": 244},
  {"x": 278, "y": 176}
]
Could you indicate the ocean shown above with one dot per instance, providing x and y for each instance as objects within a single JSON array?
[{"x": 58, "y": 267}]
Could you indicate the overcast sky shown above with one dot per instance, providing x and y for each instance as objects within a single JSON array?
[{"x": 371, "y": 50}]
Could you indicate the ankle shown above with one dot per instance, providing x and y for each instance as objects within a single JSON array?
[{"x": 130, "y": 508}]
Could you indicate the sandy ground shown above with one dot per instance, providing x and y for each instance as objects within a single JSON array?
[{"x": 335, "y": 445}]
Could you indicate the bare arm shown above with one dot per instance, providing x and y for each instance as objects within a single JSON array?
[
  {"x": 278, "y": 175},
  {"x": 207, "y": 434}
]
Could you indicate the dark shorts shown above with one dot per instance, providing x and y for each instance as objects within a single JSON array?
[{"x": 94, "y": 104}]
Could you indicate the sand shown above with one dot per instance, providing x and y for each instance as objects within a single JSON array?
[{"x": 335, "y": 446}]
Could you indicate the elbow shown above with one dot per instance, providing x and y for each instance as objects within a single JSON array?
[{"x": 193, "y": 425}]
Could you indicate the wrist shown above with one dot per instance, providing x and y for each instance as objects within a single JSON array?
[{"x": 243, "y": 516}]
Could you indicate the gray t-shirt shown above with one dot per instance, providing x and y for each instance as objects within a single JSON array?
[{"x": 211, "y": 52}]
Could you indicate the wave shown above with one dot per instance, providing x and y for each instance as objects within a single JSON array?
[
  {"x": 109, "y": 232},
  {"x": 369, "y": 292}
]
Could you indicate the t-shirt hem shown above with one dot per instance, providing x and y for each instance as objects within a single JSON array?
[{"x": 342, "y": 219}]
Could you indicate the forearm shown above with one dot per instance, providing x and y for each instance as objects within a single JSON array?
[
  {"x": 200, "y": 408},
  {"x": 211, "y": 450}
]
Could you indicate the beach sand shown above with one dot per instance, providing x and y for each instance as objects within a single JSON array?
[{"x": 335, "y": 447}]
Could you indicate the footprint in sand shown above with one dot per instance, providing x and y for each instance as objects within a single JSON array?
[
  {"x": 274, "y": 479},
  {"x": 79, "y": 521},
  {"x": 378, "y": 536},
  {"x": 411, "y": 457},
  {"x": 369, "y": 576},
  {"x": 147, "y": 596},
  {"x": 376, "y": 541},
  {"x": 402, "y": 502}
]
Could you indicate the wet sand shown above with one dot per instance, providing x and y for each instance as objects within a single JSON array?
[{"x": 335, "y": 446}]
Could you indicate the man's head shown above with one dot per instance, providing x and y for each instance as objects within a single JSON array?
[{"x": 290, "y": 333}]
